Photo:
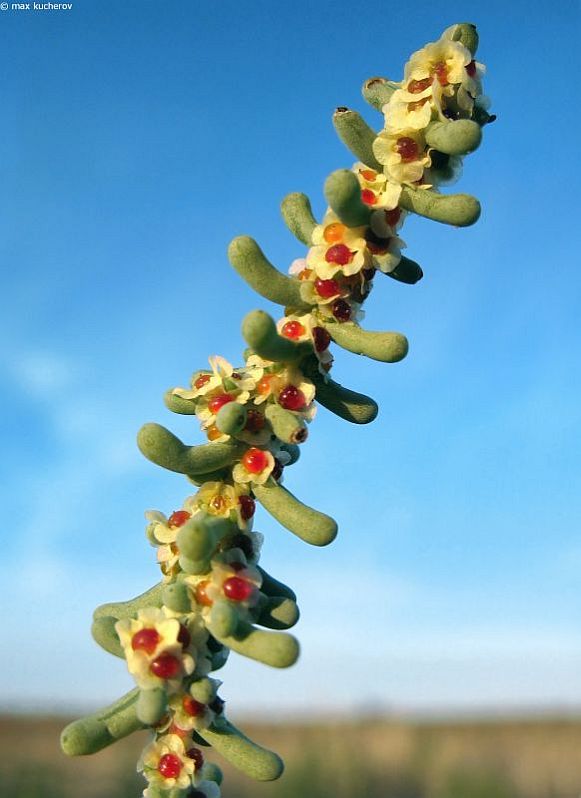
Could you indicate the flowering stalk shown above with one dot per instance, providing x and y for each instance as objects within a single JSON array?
[{"x": 214, "y": 595}]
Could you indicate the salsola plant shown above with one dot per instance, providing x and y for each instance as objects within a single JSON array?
[{"x": 213, "y": 594}]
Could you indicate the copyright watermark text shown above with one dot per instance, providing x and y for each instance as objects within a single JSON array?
[{"x": 36, "y": 6}]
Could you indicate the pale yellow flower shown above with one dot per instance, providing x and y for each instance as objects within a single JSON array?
[
  {"x": 444, "y": 61},
  {"x": 232, "y": 565},
  {"x": 242, "y": 474},
  {"x": 295, "y": 327},
  {"x": 167, "y": 755},
  {"x": 215, "y": 498},
  {"x": 143, "y": 652},
  {"x": 376, "y": 190},
  {"x": 189, "y": 714},
  {"x": 337, "y": 249},
  {"x": 404, "y": 155}
]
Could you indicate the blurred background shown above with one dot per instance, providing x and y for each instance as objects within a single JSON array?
[{"x": 441, "y": 651}]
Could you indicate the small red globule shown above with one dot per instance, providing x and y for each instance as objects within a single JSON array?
[
  {"x": 254, "y": 421},
  {"x": 368, "y": 174},
  {"x": 293, "y": 330},
  {"x": 327, "y": 288},
  {"x": 340, "y": 254},
  {"x": 202, "y": 380},
  {"x": 192, "y": 707},
  {"x": 169, "y": 766},
  {"x": 392, "y": 217},
  {"x": 166, "y": 666},
  {"x": 321, "y": 338},
  {"x": 341, "y": 310},
  {"x": 237, "y": 589},
  {"x": 184, "y": 637},
  {"x": 407, "y": 148},
  {"x": 368, "y": 196},
  {"x": 178, "y": 518},
  {"x": 292, "y": 398},
  {"x": 216, "y": 402},
  {"x": 145, "y": 640},
  {"x": 255, "y": 460},
  {"x": 197, "y": 756},
  {"x": 201, "y": 595},
  {"x": 247, "y": 507},
  {"x": 334, "y": 232},
  {"x": 441, "y": 72},
  {"x": 417, "y": 86}
]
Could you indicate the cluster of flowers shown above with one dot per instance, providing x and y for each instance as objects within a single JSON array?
[
  {"x": 167, "y": 650},
  {"x": 442, "y": 82},
  {"x": 174, "y": 651}
]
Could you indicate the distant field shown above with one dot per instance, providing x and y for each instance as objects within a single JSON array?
[{"x": 369, "y": 759}]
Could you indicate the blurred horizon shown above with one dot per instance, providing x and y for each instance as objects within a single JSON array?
[{"x": 141, "y": 137}]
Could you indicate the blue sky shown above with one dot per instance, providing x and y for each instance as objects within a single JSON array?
[{"x": 137, "y": 140}]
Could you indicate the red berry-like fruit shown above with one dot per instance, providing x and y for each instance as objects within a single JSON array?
[
  {"x": 202, "y": 380},
  {"x": 341, "y": 310},
  {"x": 165, "y": 666},
  {"x": 184, "y": 636},
  {"x": 178, "y": 518},
  {"x": 169, "y": 766},
  {"x": 216, "y": 402},
  {"x": 340, "y": 254},
  {"x": 145, "y": 640},
  {"x": 197, "y": 756},
  {"x": 368, "y": 196},
  {"x": 293, "y": 330},
  {"x": 254, "y": 421},
  {"x": 407, "y": 148},
  {"x": 321, "y": 338},
  {"x": 247, "y": 507},
  {"x": 254, "y": 460},
  {"x": 201, "y": 595},
  {"x": 327, "y": 288},
  {"x": 292, "y": 398},
  {"x": 237, "y": 589},
  {"x": 192, "y": 707}
]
